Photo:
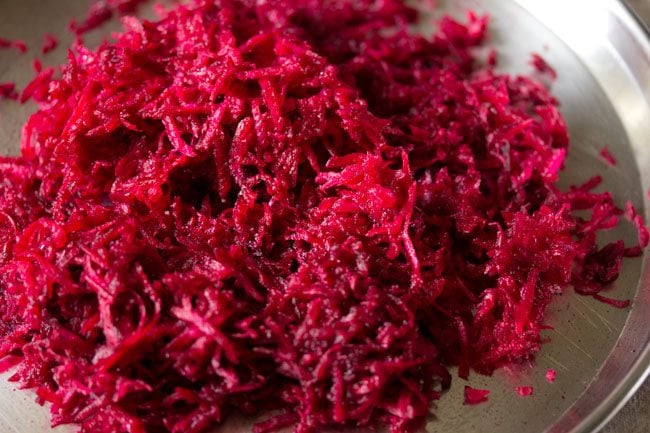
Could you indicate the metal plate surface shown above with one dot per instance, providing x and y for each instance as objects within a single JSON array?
[{"x": 601, "y": 354}]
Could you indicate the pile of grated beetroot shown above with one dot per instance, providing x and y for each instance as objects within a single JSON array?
[{"x": 287, "y": 208}]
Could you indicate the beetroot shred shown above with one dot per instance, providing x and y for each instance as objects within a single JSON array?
[
  {"x": 8, "y": 91},
  {"x": 50, "y": 43},
  {"x": 17, "y": 44},
  {"x": 473, "y": 396},
  {"x": 282, "y": 206}
]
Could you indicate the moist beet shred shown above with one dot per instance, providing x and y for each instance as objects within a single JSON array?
[{"x": 295, "y": 209}]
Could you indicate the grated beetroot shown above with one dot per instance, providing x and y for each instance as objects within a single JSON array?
[
  {"x": 8, "y": 91},
  {"x": 524, "y": 391},
  {"x": 102, "y": 11},
  {"x": 542, "y": 66},
  {"x": 281, "y": 206},
  {"x": 473, "y": 396},
  {"x": 17, "y": 44},
  {"x": 50, "y": 42},
  {"x": 607, "y": 156},
  {"x": 551, "y": 375}
]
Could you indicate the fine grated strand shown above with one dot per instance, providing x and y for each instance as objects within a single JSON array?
[{"x": 293, "y": 209}]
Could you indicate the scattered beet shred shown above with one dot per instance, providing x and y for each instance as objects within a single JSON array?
[
  {"x": 551, "y": 375},
  {"x": 282, "y": 207},
  {"x": 8, "y": 91},
  {"x": 474, "y": 396},
  {"x": 101, "y": 11},
  {"x": 17, "y": 44},
  {"x": 607, "y": 156},
  {"x": 50, "y": 43},
  {"x": 524, "y": 391},
  {"x": 542, "y": 66}
]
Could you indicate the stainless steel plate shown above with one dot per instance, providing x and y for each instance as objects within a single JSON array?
[{"x": 601, "y": 354}]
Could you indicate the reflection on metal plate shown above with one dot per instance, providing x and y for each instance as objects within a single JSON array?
[{"x": 600, "y": 353}]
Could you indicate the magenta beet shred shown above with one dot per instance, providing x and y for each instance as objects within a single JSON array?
[
  {"x": 282, "y": 209},
  {"x": 551, "y": 375},
  {"x": 542, "y": 66},
  {"x": 16, "y": 44},
  {"x": 607, "y": 156},
  {"x": 101, "y": 11},
  {"x": 50, "y": 42},
  {"x": 524, "y": 391},
  {"x": 474, "y": 396},
  {"x": 8, "y": 91}
]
